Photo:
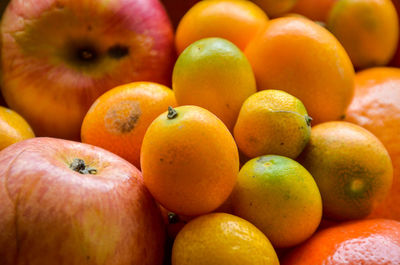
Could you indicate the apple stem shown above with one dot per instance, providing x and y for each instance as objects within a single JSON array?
[
  {"x": 171, "y": 113},
  {"x": 79, "y": 166}
]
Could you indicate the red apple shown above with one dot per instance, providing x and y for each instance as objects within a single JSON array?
[
  {"x": 56, "y": 209},
  {"x": 58, "y": 56}
]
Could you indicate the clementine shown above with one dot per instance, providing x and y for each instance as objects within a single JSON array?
[
  {"x": 376, "y": 108},
  {"x": 221, "y": 239},
  {"x": 314, "y": 9},
  {"x": 366, "y": 242},
  {"x": 351, "y": 166},
  {"x": 275, "y": 8},
  {"x": 189, "y": 160},
  {"x": 298, "y": 56},
  {"x": 13, "y": 128},
  {"x": 236, "y": 21},
  {"x": 214, "y": 74},
  {"x": 118, "y": 120},
  {"x": 272, "y": 122},
  {"x": 280, "y": 197},
  {"x": 368, "y": 30}
]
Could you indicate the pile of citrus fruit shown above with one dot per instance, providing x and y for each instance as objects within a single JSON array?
[{"x": 274, "y": 138}]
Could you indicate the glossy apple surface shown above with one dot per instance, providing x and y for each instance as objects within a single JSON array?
[
  {"x": 58, "y": 56},
  {"x": 54, "y": 210}
]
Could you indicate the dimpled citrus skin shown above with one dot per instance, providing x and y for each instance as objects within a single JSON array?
[
  {"x": 214, "y": 74},
  {"x": 272, "y": 122},
  {"x": 189, "y": 162},
  {"x": 280, "y": 197},
  {"x": 302, "y": 58},
  {"x": 366, "y": 242},
  {"x": 221, "y": 239},
  {"x": 236, "y": 21},
  {"x": 376, "y": 108},
  {"x": 118, "y": 120},
  {"x": 368, "y": 30},
  {"x": 13, "y": 128},
  {"x": 351, "y": 166}
]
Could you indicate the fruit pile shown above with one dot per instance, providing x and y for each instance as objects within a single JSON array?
[{"x": 211, "y": 132}]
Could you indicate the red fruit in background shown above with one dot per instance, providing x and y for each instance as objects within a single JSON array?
[
  {"x": 58, "y": 56},
  {"x": 176, "y": 9},
  {"x": 55, "y": 209},
  {"x": 365, "y": 242}
]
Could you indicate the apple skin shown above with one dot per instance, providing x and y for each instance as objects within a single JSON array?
[
  {"x": 58, "y": 56},
  {"x": 51, "y": 214}
]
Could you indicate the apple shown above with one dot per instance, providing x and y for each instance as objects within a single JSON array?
[
  {"x": 68, "y": 203},
  {"x": 58, "y": 56}
]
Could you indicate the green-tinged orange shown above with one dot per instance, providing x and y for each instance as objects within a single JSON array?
[
  {"x": 272, "y": 122},
  {"x": 214, "y": 74},
  {"x": 280, "y": 197},
  {"x": 351, "y": 166}
]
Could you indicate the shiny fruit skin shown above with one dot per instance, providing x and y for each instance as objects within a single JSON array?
[
  {"x": 351, "y": 166},
  {"x": 189, "y": 160},
  {"x": 375, "y": 107},
  {"x": 367, "y": 242},
  {"x": 305, "y": 60},
  {"x": 214, "y": 74},
  {"x": 219, "y": 239},
  {"x": 118, "y": 119},
  {"x": 53, "y": 214}
]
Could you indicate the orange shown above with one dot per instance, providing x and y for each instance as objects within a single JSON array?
[
  {"x": 214, "y": 74},
  {"x": 236, "y": 21},
  {"x": 368, "y": 30},
  {"x": 366, "y": 242},
  {"x": 222, "y": 239},
  {"x": 280, "y": 197},
  {"x": 351, "y": 166},
  {"x": 118, "y": 120},
  {"x": 13, "y": 128},
  {"x": 314, "y": 9},
  {"x": 275, "y": 8},
  {"x": 302, "y": 58},
  {"x": 272, "y": 122},
  {"x": 376, "y": 108},
  {"x": 189, "y": 160}
]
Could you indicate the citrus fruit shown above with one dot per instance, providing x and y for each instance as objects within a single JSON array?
[
  {"x": 366, "y": 242},
  {"x": 118, "y": 120},
  {"x": 351, "y": 166},
  {"x": 368, "y": 30},
  {"x": 280, "y": 197},
  {"x": 302, "y": 58},
  {"x": 220, "y": 239},
  {"x": 214, "y": 74},
  {"x": 236, "y": 21},
  {"x": 13, "y": 128},
  {"x": 189, "y": 160},
  {"x": 272, "y": 122},
  {"x": 314, "y": 9},
  {"x": 376, "y": 107},
  {"x": 275, "y": 8}
]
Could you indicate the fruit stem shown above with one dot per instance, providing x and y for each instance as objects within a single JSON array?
[
  {"x": 79, "y": 166},
  {"x": 172, "y": 114},
  {"x": 308, "y": 120}
]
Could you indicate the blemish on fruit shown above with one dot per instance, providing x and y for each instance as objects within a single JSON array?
[
  {"x": 122, "y": 118},
  {"x": 118, "y": 51}
]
